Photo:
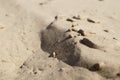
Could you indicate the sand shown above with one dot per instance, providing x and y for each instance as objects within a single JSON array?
[{"x": 59, "y": 40}]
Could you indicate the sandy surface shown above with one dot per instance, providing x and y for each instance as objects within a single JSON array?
[{"x": 59, "y": 40}]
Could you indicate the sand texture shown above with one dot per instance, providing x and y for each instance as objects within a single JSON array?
[{"x": 59, "y": 40}]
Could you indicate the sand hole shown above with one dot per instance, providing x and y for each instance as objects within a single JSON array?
[
  {"x": 55, "y": 40},
  {"x": 90, "y": 20},
  {"x": 88, "y": 43}
]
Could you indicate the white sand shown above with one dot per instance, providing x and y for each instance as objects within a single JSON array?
[{"x": 24, "y": 50}]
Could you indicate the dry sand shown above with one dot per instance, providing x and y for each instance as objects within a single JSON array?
[{"x": 59, "y": 40}]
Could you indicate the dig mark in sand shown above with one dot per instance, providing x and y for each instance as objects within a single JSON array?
[
  {"x": 100, "y": 0},
  {"x": 114, "y": 38},
  {"x": 76, "y": 17},
  {"x": 90, "y": 20},
  {"x": 106, "y": 31},
  {"x": 81, "y": 32},
  {"x": 95, "y": 67},
  {"x": 70, "y": 20},
  {"x": 88, "y": 43}
]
